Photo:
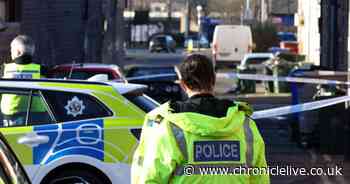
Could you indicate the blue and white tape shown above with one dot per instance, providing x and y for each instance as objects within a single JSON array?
[
  {"x": 255, "y": 77},
  {"x": 261, "y": 77},
  {"x": 279, "y": 111}
]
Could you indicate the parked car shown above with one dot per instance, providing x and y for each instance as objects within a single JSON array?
[
  {"x": 11, "y": 170},
  {"x": 255, "y": 60},
  {"x": 203, "y": 41},
  {"x": 231, "y": 43},
  {"x": 84, "y": 131},
  {"x": 160, "y": 43},
  {"x": 252, "y": 63},
  {"x": 84, "y": 71},
  {"x": 161, "y": 82}
]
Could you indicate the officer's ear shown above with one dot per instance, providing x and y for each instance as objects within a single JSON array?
[{"x": 183, "y": 86}]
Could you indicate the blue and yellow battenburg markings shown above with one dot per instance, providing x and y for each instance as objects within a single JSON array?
[{"x": 81, "y": 138}]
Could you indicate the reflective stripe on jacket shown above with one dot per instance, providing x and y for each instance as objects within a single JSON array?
[{"x": 180, "y": 147}]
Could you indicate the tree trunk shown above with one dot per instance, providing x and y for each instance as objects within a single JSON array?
[
  {"x": 113, "y": 50},
  {"x": 93, "y": 25}
]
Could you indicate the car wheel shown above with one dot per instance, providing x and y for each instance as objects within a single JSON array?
[{"x": 76, "y": 176}]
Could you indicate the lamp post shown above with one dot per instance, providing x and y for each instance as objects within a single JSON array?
[{"x": 199, "y": 15}]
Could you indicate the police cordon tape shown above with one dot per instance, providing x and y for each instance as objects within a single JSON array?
[
  {"x": 291, "y": 108},
  {"x": 279, "y": 111},
  {"x": 261, "y": 77},
  {"x": 255, "y": 77}
]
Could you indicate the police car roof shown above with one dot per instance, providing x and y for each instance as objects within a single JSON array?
[{"x": 121, "y": 88}]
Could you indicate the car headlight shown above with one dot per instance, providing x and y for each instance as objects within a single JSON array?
[{"x": 151, "y": 43}]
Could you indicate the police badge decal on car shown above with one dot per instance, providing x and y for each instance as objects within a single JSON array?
[{"x": 75, "y": 107}]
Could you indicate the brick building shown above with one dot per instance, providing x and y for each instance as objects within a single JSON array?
[
  {"x": 9, "y": 17},
  {"x": 59, "y": 28}
]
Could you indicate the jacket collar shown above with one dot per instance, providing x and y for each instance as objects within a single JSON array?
[
  {"x": 201, "y": 95},
  {"x": 22, "y": 60}
]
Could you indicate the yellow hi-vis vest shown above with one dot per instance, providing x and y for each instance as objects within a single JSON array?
[
  {"x": 12, "y": 104},
  {"x": 194, "y": 148}
]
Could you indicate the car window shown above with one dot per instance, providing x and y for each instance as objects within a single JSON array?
[
  {"x": 59, "y": 75},
  {"x": 160, "y": 39},
  {"x": 81, "y": 75},
  {"x": 39, "y": 113},
  {"x": 68, "y": 106},
  {"x": 142, "y": 101},
  {"x": 11, "y": 172},
  {"x": 15, "y": 106},
  {"x": 137, "y": 72},
  {"x": 169, "y": 74}
]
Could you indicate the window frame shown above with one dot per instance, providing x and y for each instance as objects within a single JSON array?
[
  {"x": 29, "y": 93},
  {"x": 47, "y": 106},
  {"x": 95, "y": 99}
]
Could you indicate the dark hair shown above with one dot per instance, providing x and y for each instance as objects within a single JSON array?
[{"x": 197, "y": 72}]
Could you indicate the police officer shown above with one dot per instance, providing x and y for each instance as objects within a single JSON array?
[
  {"x": 14, "y": 107},
  {"x": 181, "y": 140}
]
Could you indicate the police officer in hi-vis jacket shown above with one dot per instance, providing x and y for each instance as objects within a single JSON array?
[
  {"x": 14, "y": 106},
  {"x": 180, "y": 141}
]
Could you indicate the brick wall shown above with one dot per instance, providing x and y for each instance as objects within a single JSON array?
[
  {"x": 5, "y": 40},
  {"x": 57, "y": 28}
]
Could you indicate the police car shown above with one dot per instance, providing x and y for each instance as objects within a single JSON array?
[{"x": 84, "y": 132}]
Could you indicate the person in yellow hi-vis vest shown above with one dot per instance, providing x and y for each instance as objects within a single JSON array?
[
  {"x": 14, "y": 107},
  {"x": 190, "y": 46},
  {"x": 201, "y": 140}
]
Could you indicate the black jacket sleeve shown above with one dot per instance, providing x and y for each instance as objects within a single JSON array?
[{"x": 44, "y": 71}]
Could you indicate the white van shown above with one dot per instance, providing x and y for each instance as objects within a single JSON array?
[{"x": 231, "y": 43}]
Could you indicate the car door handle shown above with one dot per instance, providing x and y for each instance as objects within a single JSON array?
[{"x": 33, "y": 139}]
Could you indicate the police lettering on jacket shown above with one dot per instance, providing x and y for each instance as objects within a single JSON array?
[{"x": 206, "y": 151}]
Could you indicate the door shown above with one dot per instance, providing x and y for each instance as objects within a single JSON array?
[{"x": 23, "y": 114}]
